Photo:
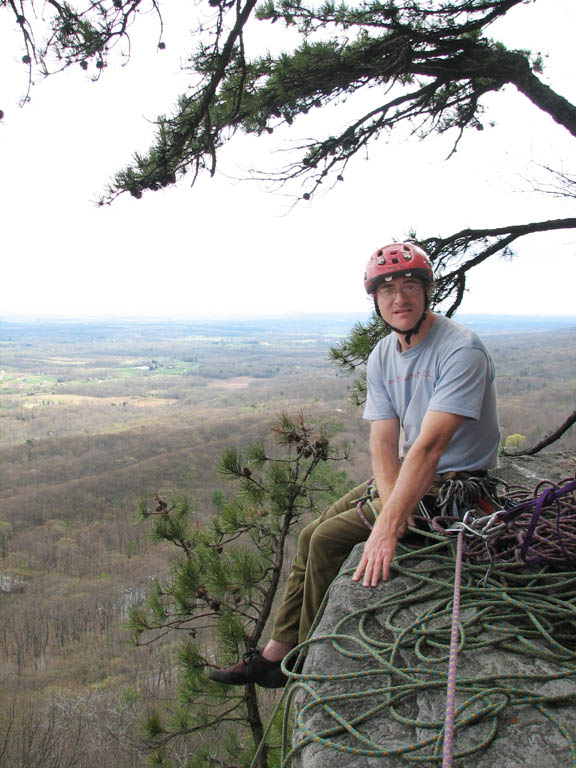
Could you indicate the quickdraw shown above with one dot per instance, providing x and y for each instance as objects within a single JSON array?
[
  {"x": 368, "y": 497},
  {"x": 454, "y": 491}
]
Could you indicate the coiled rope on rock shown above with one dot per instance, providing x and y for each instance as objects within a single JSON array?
[{"x": 398, "y": 648}]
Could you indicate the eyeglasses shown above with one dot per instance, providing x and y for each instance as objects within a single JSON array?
[{"x": 389, "y": 292}]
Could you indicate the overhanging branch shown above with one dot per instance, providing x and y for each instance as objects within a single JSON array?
[{"x": 470, "y": 247}]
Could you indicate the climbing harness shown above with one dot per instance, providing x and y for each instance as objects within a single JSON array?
[{"x": 449, "y": 493}]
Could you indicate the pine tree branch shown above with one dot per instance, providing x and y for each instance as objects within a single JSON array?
[
  {"x": 472, "y": 247},
  {"x": 541, "y": 95},
  {"x": 224, "y": 717},
  {"x": 435, "y": 63}
]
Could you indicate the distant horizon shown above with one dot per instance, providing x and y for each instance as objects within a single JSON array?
[{"x": 249, "y": 318}]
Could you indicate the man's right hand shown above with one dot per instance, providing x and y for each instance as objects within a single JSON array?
[{"x": 378, "y": 554}]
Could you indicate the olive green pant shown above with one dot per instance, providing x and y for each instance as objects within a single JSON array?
[{"x": 323, "y": 545}]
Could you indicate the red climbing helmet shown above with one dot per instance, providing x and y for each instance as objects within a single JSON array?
[{"x": 397, "y": 259}]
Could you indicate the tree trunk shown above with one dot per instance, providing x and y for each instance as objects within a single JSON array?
[{"x": 256, "y": 726}]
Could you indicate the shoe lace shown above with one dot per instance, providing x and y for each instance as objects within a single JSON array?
[{"x": 249, "y": 655}]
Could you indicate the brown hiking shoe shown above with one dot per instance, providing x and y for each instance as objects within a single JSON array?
[{"x": 253, "y": 668}]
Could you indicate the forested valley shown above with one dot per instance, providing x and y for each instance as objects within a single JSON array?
[{"x": 94, "y": 418}]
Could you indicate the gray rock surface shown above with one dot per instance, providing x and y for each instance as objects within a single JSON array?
[
  {"x": 529, "y": 470},
  {"x": 359, "y": 649}
]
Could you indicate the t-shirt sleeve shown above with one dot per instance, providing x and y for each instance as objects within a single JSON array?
[
  {"x": 378, "y": 403},
  {"x": 461, "y": 383}
]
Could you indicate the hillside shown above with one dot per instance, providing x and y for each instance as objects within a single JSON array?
[{"x": 95, "y": 417}]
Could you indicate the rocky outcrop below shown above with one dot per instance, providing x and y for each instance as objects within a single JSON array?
[
  {"x": 372, "y": 691},
  {"x": 530, "y": 470}
]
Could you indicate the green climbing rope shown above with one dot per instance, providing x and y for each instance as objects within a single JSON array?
[{"x": 399, "y": 648}]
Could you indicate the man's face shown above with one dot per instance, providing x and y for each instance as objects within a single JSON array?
[{"x": 401, "y": 302}]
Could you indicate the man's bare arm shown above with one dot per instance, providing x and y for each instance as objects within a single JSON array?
[
  {"x": 413, "y": 480},
  {"x": 384, "y": 437}
]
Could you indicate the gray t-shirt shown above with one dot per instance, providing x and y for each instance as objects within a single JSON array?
[{"x": 450, "y": 371}]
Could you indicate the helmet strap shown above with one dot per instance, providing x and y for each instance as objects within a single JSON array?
[
  {"x": 411, "y": 331},
  {"x": 415, "y": 328}
]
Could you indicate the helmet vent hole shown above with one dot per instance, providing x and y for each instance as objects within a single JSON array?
[{"x": 394, "y": 260}]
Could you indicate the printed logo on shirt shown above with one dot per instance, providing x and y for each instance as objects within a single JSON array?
[{"x": 422, "y": 374}]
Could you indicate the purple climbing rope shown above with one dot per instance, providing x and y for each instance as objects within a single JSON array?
[
  {"x": 544, "y": 536},
  {"x": 536, "y": 527},
  {"x": 448, "y": 749}
]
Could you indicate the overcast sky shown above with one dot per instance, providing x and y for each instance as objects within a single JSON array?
[{"x": 227, "y": 247}]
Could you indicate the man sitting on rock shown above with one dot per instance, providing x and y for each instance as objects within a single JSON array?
[{"x": 430, "y": 377}]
